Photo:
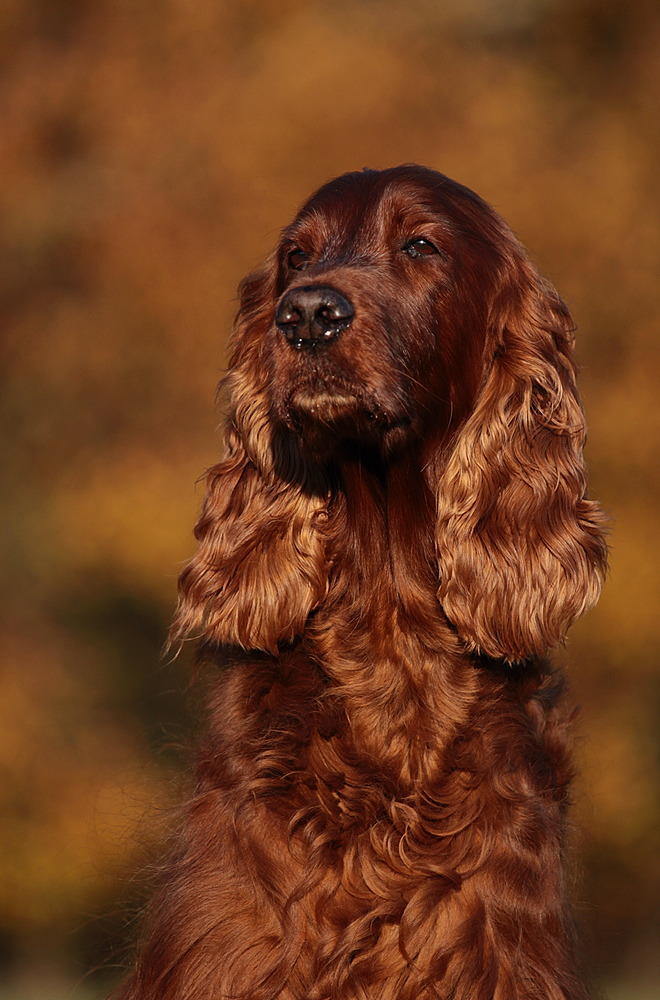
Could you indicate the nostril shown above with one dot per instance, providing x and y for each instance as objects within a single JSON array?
[
  {"x": 332, "y": 313},
  {"x": 288, "y": 316},
  {"x": 313, "y": 314}
]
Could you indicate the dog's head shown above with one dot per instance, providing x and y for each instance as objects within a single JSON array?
[{"x": 399, "y": 312}]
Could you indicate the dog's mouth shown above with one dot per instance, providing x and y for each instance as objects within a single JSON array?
[
  {"x": 325, "y": 398},
  {"x": 325, "y": 416},
  {"x": 329, "y": 396},
  {"x": 329, "y": 403}
]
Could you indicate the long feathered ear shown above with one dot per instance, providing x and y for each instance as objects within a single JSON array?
[
  {"x": 260, "y": 564},
  {"x": 520, "y": 547}
]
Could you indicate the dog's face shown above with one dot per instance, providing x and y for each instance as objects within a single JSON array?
[{"x": 380, "y": 315}]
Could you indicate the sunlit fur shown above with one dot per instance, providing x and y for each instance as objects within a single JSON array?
[{"x": 396, "y": 534}]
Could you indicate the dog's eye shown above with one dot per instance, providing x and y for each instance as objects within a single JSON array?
[
  {"x": 419, "y": 248},
  {"x": 298, "y": 260}
]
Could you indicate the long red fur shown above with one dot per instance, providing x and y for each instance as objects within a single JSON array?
[{"x": 396, "y": 534}]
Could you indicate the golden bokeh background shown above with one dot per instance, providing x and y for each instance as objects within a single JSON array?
[{"x": 149, "y": 153}]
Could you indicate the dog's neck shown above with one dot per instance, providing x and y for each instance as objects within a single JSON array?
[
  {"x": 381, "y": 627},
  {"x": 381, "y": 542}
]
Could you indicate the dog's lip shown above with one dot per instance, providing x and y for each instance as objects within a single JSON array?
[
  {"x": 345, "y": 406},
  {"x": 323, "y": 381},
  {"x": 321, "y": 396},
  {"x": 314, "y": 399}
]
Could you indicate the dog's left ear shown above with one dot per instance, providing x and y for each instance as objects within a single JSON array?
[{"x": 521, "y": 549}]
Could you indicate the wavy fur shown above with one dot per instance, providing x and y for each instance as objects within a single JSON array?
[{"x": 396, "y": 534}]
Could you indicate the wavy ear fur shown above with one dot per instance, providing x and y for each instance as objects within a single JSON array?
[
  {"x": 260, "y": 564},
  {"x": 521, "y": 549}
]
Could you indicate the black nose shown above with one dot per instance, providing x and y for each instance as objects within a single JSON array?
[{"x": 313, "y": 315}]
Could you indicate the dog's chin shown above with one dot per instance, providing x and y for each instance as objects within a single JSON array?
[{"x": 325, "y": 420}]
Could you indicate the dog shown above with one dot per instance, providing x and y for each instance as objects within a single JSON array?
[{"x": 396, "y": 535}]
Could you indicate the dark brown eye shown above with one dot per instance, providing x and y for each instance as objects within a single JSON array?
[
  {"x": 419, "y": 248},
  {"x": 298, "y": 260}
]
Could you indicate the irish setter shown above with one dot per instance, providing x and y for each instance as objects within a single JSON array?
[{"x": 396, "y": 534}]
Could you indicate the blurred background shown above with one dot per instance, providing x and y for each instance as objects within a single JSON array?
[{"x": 149, "y": 153}]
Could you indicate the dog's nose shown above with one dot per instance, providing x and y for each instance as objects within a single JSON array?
[{"x": 313, "y": 315}]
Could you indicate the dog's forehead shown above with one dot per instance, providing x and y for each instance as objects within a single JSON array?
[{"x": 370, "y": 204}]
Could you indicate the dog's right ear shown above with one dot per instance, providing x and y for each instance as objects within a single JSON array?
[{"x": 260, "y": 565}]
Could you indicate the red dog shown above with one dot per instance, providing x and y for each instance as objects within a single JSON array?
[{"x": 397, "y": 532}]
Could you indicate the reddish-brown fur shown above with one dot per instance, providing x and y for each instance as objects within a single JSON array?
[{"x": 396, "y": 534}]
